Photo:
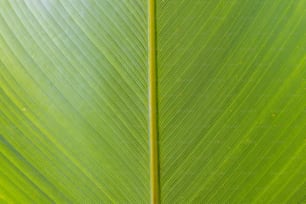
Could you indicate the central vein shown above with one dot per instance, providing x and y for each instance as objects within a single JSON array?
[{"x": 154, "y": 171}]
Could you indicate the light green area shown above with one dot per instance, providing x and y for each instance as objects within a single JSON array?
[
  {"x": 73, "y": 101},
  {"x": 232, "y": 100}
]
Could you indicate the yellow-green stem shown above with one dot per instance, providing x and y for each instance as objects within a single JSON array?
[{"x": 154, "y": 180}]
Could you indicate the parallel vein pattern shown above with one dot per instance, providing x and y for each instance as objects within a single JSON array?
[
  {"x": 73, "y": 98},
  {"x": 232, "y": 95}
]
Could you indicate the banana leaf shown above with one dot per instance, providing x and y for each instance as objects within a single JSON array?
[
  {"x": 77, "y": 92},
  {"x": 73, "y": 102},
  {"x": 232, "y": 96}
]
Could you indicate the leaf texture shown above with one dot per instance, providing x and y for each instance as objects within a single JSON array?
[
  {"x": 73, "y": 98},
  {"x": 75, "y": 112},
  {"x": 231, "y": 91}
]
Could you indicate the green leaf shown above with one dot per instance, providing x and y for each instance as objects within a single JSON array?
[
  {"x": 77, "y": 101},
  {"x": 232, "y": 101},
  {"x": 73, "y": 98}
]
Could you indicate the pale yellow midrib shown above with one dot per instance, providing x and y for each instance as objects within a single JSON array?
[{"x": 154, "y": 171}]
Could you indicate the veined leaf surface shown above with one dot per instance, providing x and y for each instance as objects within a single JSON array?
[
  {"x": 73, "y": 117},
  {"x": 232, "y": 101},
  {"x": 76, "y": 101}
]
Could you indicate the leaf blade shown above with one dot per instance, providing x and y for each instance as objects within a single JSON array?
[
  {"x": 74, "y": 88},
  {"x": 230, "y": 99}
]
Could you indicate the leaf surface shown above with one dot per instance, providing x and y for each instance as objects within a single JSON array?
[
  {"x": 77, "y": 101},
  {"x": 231, "y": 101},
  {"x": 73, "y": 117}
]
